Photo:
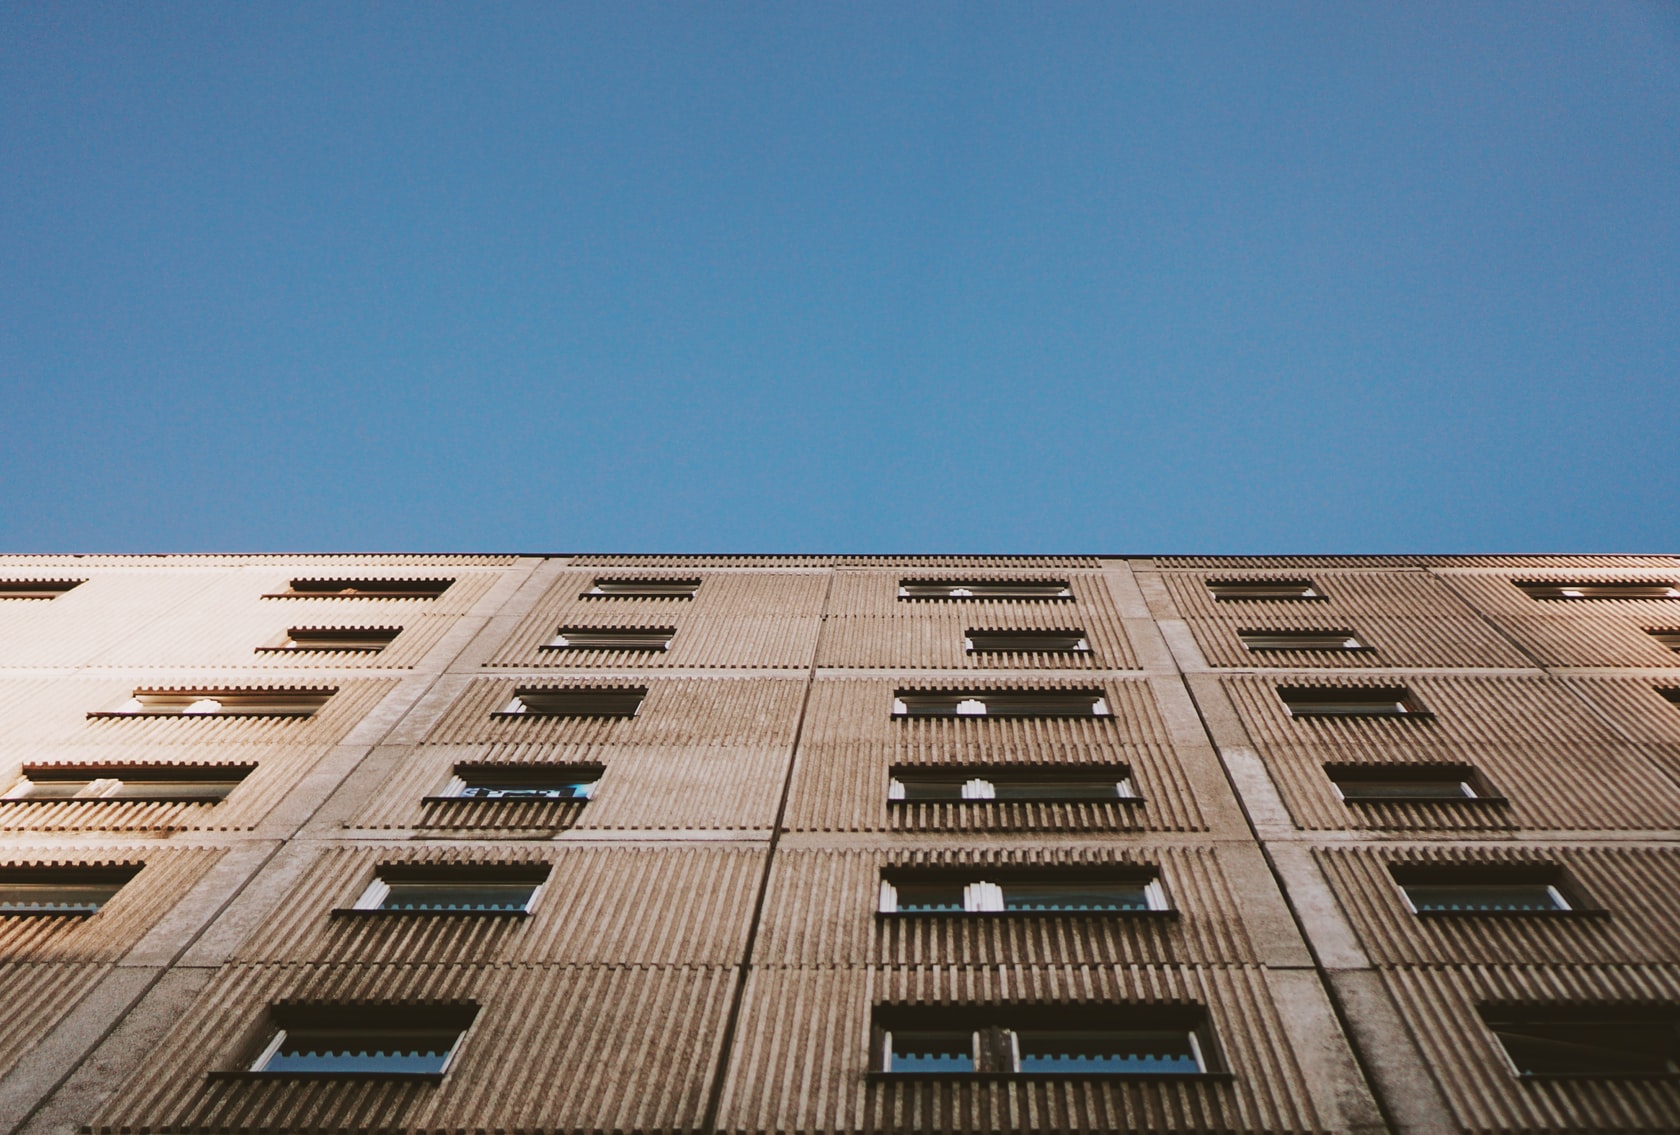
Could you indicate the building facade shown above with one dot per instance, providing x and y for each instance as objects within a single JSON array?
[{"x": 827, "y": 844}]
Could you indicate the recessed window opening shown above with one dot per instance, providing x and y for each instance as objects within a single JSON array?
[
  {"x": 1400, "y": 783},
  {"x": 522, "y": 782},
  {"x": 1588, "y": 1040},
  {"x": 1484, "y": 889},
  {"x": 641, "y": 639},
  {"x": 363, "y": 589},
  {"x": 1667, "y": 637},
  {"x": 37, "y": 588},
  {"x": 601, "y": 701},
  {"x": 240, "y": 702},
  {"x": 642, "y": 589},
  {"x": 1257, "y": 590},
  {"x": 1350, "y": 701},
  {"x": 403, "y": 888},
  {"x": 1065, "y": 1041},
  {"x": 1600, "y": 589},
  {"x": 1337, "y": 640},
  {"x": 54, "y": 890},
  {"x": 1000, "y": 703},
  {"x": 994, "y": 589},
  {"x": 918, "y": 785},
  {"x": 1026, "y": 642},
  {"x": 197, "y": 784},
  {"x": 367, "y": 640},
  {"x": 1670, "y": 693},
  {"x": 1002, "y": 893},
  {"x": 363, "y": 1040}
]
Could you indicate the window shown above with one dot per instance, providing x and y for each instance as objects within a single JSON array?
[
  {"x": 585, "y": 701},
  {"x": 1255, "y": 590},
  {"x": 1671, "y": 694},
  {"x": 1484, "y": 889},
  {"x": 1599, "y": 590},
  {"x": 37, "y": 588},
  {"x": 368, "y": 640},
  {"x": 1006, "y": 892},
  {"x": 1667, "y": 638},
  {"x": 363, "y": 589},
  {"x": 1350, "y": 701},
  {"x": 642, "y": 589},
  {"x": 648, "y": 639},
  {"x": 1086, "y": 782},
  {"x": 243, "y": 702},
  {"x": 70, "y": 891},
  {"x": 1587, "y": 1040},
  {"x": 1402, "y": 783},
  {"x": 1301, "y": 640},
  {"x": 363, "y": 1040},
  {"x": 193, "y": 784},
  {"x": 522, "y": 782},
  {"x": 417, "y": 889},
  {"x": 1040, "y": 589},
  {"x": 1000, "y": 703},
  {"x": 1066, "y": 1040},
  {"x": 1026, "y": 642}
]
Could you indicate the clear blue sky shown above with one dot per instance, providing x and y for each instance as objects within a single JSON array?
[{"x": 840, "y": 277}]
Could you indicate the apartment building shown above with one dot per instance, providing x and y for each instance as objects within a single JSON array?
[{"x": 839, "y": 843}]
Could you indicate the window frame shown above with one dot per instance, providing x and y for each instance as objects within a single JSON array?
[
  {"x": 605, "y": 645},
  {"x": 521, "y": 693},
  {"x": 369, "y": 903},
  {"x": 91, "y": 774},
  {"x": 1124, "y": 780},
  {"x": 655, "y": 588},
  {"x": 965, "y": 700},
  {"x": 28, "y": 590},
  {"x": 1081, "y": 645},
  {"x": 568, "y": 773},
  {"x": 984, "y": 891},
  {"x": 318, "y": 640},
  {"x": 1571, "y": 1016},
  {"x": 1264, "y": 590},
  {"x": 160, "y": 703},
  {"x": 1358, "y": 645},
  {"x": 1484, "y": 792},
  {"x": 1555, "y": 877},
  {"x": 113, "y": 875},
  {"x": 985, "y": 590},
  {"x": 1408, "y": 707},
  {"x": 1578, "y": 591},
  {"x": 354, "y": 588},
  {"x": 286, "y": 1018}
]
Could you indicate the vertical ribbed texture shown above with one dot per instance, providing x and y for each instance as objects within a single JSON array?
[{"x": 164, "y": 875}]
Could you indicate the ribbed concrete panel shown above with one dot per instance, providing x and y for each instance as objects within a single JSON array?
[
  {"x": 229, "y": 635},
  {"x": 1392, "y": 642},
  {"x": 725, "y": 594},
  {"x": 1346, "y": 595},
  {"x": 1636, "y": 709},
  {"x": 469, "y": 587},
  {"x": 770, "y": 641},
  {"x": 76, "y": 627},
  {"x": 553, "y": 1048},
  {"x": 34, "y": 997},
  {"x": 723, "y": 711},
  {"x": 1639, "y": 889},
  {"x": 644, "y": 788},
  {"x": 1556, "y": 762},
  {"x": 165, "y": 874},
  {"x": 802, "y": 1055},
  {"x": 876, "y": 593},
  {"x": 235, "y": 560},
  {"x": 1439, "y": 1005},
  {"x": 851, "y": 741},
  {"x": 834, "y": 561},
  {"x": 1596, "y": 638},
  {"x": 676, "y": 905},
  {"x": 821, "y": 911},
  {"x": 1499, "y": 597}
]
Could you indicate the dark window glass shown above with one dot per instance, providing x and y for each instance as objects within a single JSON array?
[
  {"x": 1471, "y": 896},
  {"x": 368, "y": 1051},
  {"x": 1125, "y": 1051},
  {"x": 1284, "y": 590},
  {"x": 931, "y": 1051},
  {"x": 1586, "y": 1045},
  {"x": 1078, "y": 895}
]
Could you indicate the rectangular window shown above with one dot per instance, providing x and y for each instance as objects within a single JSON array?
[
  {"x": 1382, "y": 783},
  {"x": 343, "y": 640},
  {"x": 1482, "y": 888},
  {"x": 1066, "y": 1041},
  {"x": 195, "y": 784},
  {"x": 1587, "y": 1040},
  {"x": 588, "y": 701},
  {"x": 1670, "y": 694},
  {"x": 642, "y": 639},
  {"x": 1026, "y": 642},
  {"x": 1599, "y": 590},
  {"x": 1015, "y": 589},
  {"x": 522, "y": 782},
  {"x": 37, "y": 588},
  {"x": 352, "y": 1040},
  {"x": 1006, "y": 893},
  {"x": 241, "y": 702},
  {"x": 1350, "y": 701},
  {"x": 1667, "y": 638},
  {"x": 415, "y": 889},
  {"x": 363, "y": 589},
  {"x": 1301, "y": 640},
  {"x": 53, "y": 890},
  {"x": 1000, "y": 703},
  {"x": 1087, "y": 782},
  {"x": 1257, "y": 590},
  {"x": 642, "y": 589}
]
